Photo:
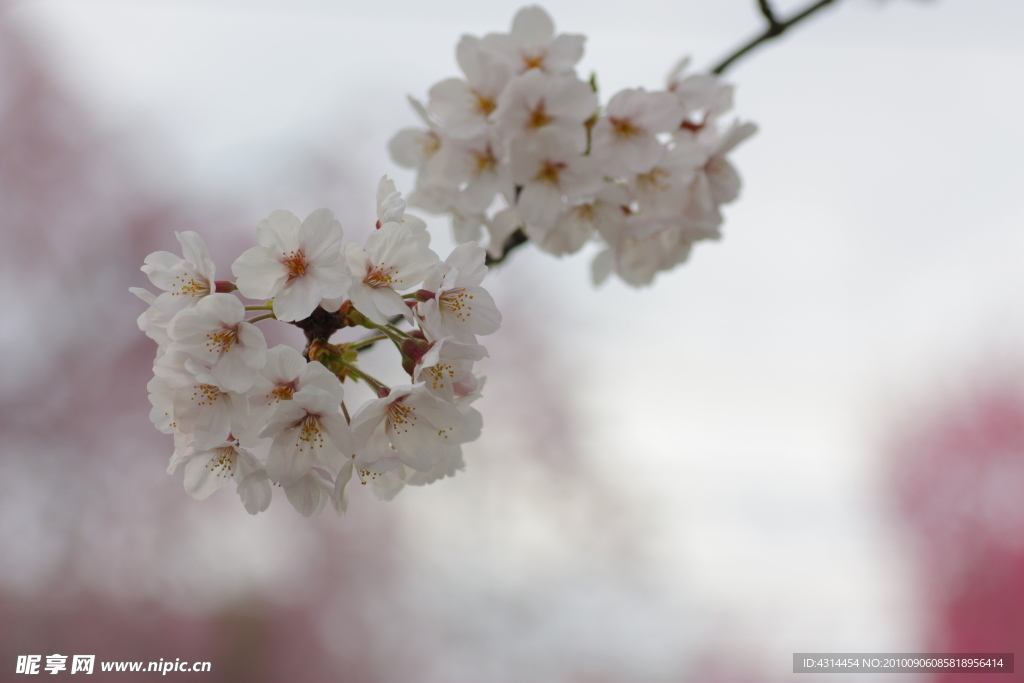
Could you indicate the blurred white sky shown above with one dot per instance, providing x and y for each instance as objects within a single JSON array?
[{"x": 873, "y": 260}]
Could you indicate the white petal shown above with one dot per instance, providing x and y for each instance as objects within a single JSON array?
[{"x": 260, "y": 273}]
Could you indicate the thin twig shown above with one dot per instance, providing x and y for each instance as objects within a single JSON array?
[
  {"x": 774, "y": 29},
  {"x": 766, "y": 10},
  {"x": 516, "y": 239}
]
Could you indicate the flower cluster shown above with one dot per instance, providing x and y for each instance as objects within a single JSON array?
[
  {"x": 225, "y": 396},
  {"x": 645, "y": 175}
]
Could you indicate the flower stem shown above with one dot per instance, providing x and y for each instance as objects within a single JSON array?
[
  {"x": 398, "y": 331},
  {"x": 264, "y": 307},
  {"x": 392, "y": 332},
  {"x": 369, "y": 379},
  {"x": 261, "y": 317},
  {"x": 366, "y": 342}
]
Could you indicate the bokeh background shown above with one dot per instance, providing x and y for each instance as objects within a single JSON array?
[{"x": 809, "y": 438}]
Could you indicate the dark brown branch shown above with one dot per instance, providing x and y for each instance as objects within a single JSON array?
[
  {"x": 774, "y": 29},
  {"x": 769, "y": 14},
  {"x": 516, "y": 239}
]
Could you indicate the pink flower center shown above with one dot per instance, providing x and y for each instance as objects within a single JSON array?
[
  {"x": 534, "y": 60},
  {"x": 401, "y": 417},
  {"x": 624, "y": 128},
  {"x": 222, "y": 464},
  {"x": 539, "y": 117},
  {"x": 283, "y": 392},
  {"x": 456, "y": 302},
  {"x": 206, "y": 395},
  {"x": 550, "y": 172},
  {"x": 310, "y": 434},
  {"x": 485, "y": 161},
  {"x": 438, "y": 373},
  {"x": 221, "y": 341},
  {"x": 295, "y": 262},
  {"x": 484, "y": 105},
  {"x": 655, "y": 179},
  {"x": 191, "y": 287},
  {"x": 379, "y": 276}
]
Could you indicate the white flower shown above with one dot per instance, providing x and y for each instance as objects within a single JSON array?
[
  {"x": 418, "y": 148},
  {"x": 253, "y": 485},
  {"x": 460, "y": 307},
  {"x": 209, "y": 469},
  {"x": 477, "y": 166},
  {"x": 664, "y": 189},
  {"x": 307, "y": 431},
  {"x": 153, "y": 322},
  {"x": 285, "y": 374},
  {"x": 385, "y": 485},
  {"x": 577, "y": 224},
  {"x": 723, "y": 181},
  {"x": 393, "y": 260},
  {"x": 533, "y": 44},
  {"x": 339, "y": 496},
  {"x": 410, "y": 423},
  {"x": 447, "y": 466},
  {"x": 391, "y": 209},
  {"x": 297, "y": 264},
  {"x": 184, "y": 281},
  {"x": 215, "y": 332},
  {"x": 624, "y": 140},
  {"x": 464, "y": 107},
  {"x": 447, "y": 368},
  {"x": 550, "y": 172},
  {"x": 469, "y": 430},
  {"x": 309, "y": 493},
  {"x": 644, "y": 246},
  {"x": 201, "y": 406},
  {"x": 537, "y": 102},
  {"x": 161, "y": 396},
  {"x": 697, "y": 91}
]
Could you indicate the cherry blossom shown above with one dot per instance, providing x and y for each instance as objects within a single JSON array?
[
  {"x": 537, "y": 102},
  {"x": 532, "y": 44},
  {"x": 550, "y": 173},
  {"x": 447, "y": 368},
  {"x": 184, "y": 281},
  {"x": 210, "y": 469},
  {"x": 285, "y": 374},
  {"x": 410, "y": 423},
  {"x": 225, "y": 398},
  {"x": 464, "y": 107},
  {"x": 535, "y": 163},
  {"x": 418, "y": 147},
  {"x": 307, "y": 431},
  {"x": 310, "y": 493},
  {"x": 458, "y": 306},
  {"x": 297, "y": 264},
  {"x": 215, "y": 332},
  {"x": 624, "y": 139},
  {"x": 393, "y": 261}
]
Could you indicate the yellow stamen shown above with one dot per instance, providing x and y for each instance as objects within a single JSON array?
[
  {"x": 295, "y": 262},
  {"x": 550, "y": 172},
  {"x": 539, "y": 117},
  {"x": 624, "y": 128}
]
